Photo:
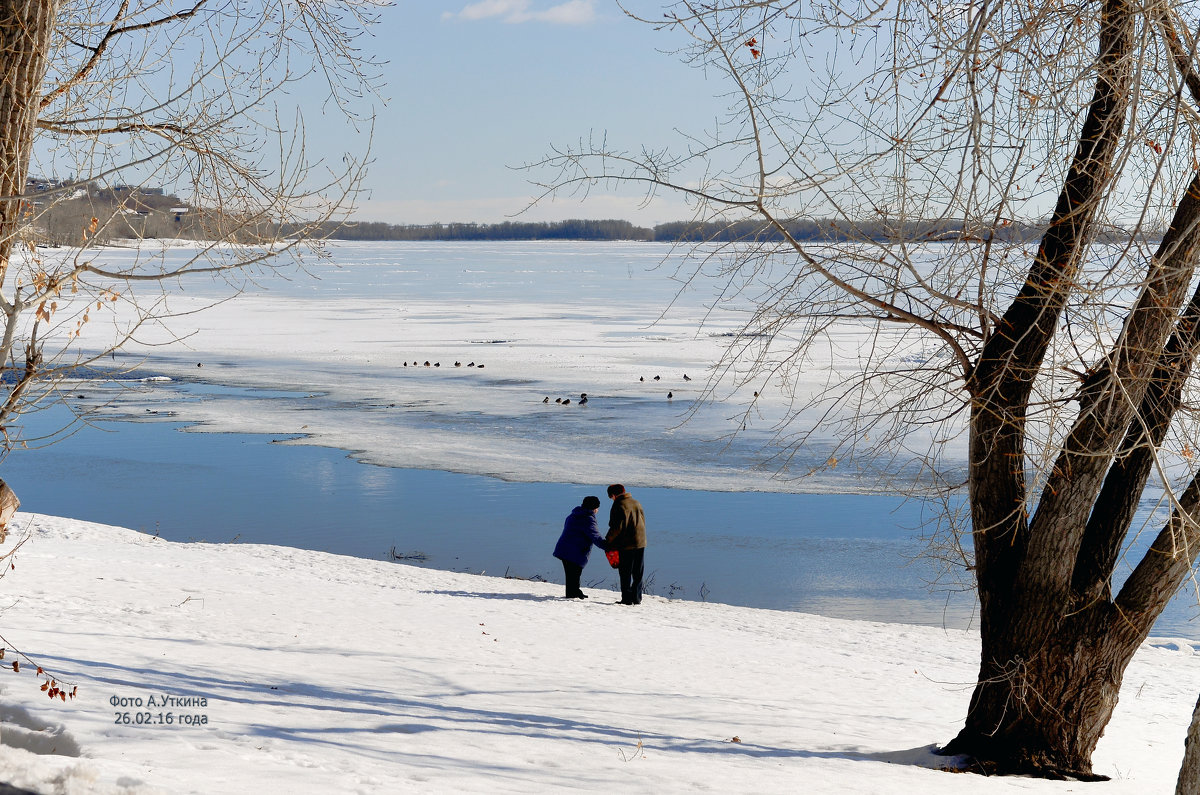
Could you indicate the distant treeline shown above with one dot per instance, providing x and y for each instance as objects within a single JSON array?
[
  {"x": 559, "y": 230},
  {"x": 819, "y": 230}
]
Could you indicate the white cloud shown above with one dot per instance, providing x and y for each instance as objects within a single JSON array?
[
  {"x": 486, "y": 9},
  {"x": 572, "y": 12}
]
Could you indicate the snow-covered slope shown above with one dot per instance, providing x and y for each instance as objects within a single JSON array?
[{"x": 281, "y": 670}]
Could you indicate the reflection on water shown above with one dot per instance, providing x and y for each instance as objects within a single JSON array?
[{"x": 849, "y": 556}]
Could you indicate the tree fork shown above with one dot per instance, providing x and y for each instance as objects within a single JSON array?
[{"x": 1001, "y": 381}]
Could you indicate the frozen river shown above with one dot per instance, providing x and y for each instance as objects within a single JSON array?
[{"x": 476, "y": 470}]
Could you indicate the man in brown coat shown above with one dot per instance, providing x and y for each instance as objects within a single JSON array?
[{"x": 627, "y": 533}]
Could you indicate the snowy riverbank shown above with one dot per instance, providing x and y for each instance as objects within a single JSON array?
[{"x": 318, "y": 673}]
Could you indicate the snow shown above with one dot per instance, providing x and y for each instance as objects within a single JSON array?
[{"x": 322, "y": 674}]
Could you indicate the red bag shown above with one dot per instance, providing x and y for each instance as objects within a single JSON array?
[{"x": 614, "y": 557}]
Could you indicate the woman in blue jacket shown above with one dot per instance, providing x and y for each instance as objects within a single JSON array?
[{"x": 578, "y": 535}]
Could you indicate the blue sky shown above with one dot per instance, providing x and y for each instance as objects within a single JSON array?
[{"x": 476, "y": 88}]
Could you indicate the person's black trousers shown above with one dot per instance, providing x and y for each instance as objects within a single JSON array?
[
  {"x": 572, "y": 572},
  {"x": 631, "y": 567}
]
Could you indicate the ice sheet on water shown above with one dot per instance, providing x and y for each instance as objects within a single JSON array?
[{"x": 508, "y": 331}]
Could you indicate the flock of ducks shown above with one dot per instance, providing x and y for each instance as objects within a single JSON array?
[
  {"x": 567, "y": 401},
  {"x": 439, "y": 364},
  {"x": 583, "y": 398}
]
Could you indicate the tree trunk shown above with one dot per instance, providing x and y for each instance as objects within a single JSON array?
[
  {"x": 1189, "y": 772},
  {"x": 1041, "y": 712},
  {"x": 25, "y": 28}
]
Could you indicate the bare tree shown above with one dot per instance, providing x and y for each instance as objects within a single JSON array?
[
  {"x": 1040, "y": 381},
  {"x": 142, "y": 99}
]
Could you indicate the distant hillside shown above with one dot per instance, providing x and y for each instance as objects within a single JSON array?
[{"x": 62, "y": 213}]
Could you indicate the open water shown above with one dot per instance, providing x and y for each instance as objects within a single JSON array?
[
  {"x": 852, "y": 556},
  {"x": 842, "y": 555}
]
